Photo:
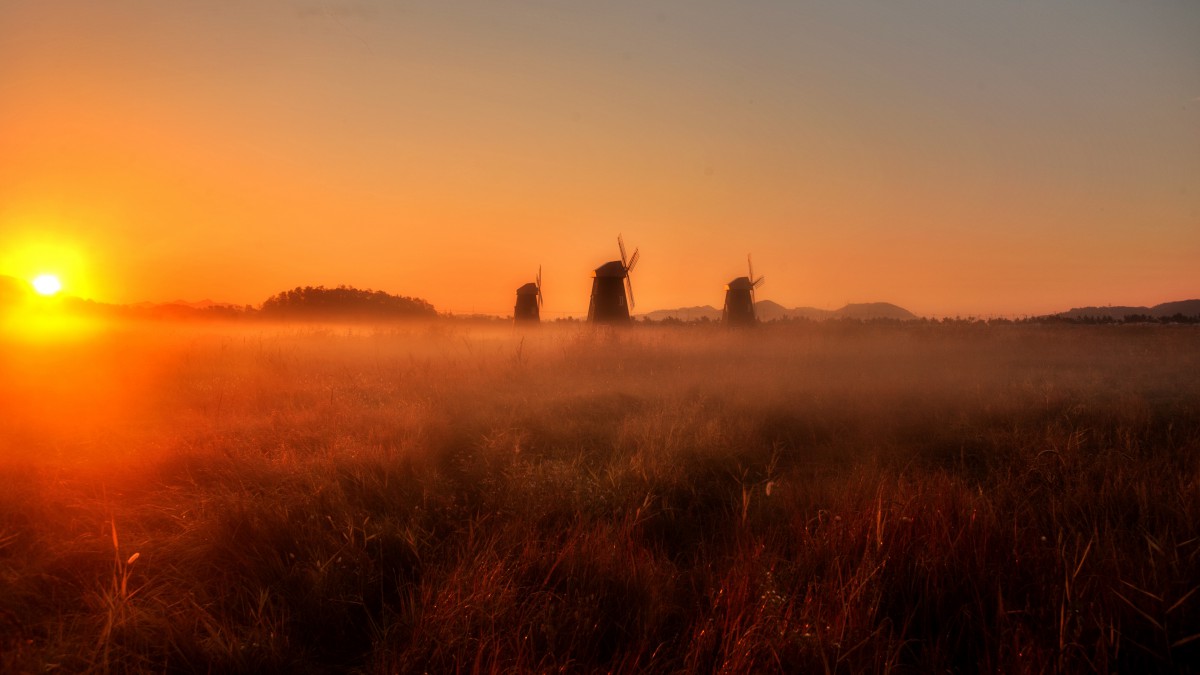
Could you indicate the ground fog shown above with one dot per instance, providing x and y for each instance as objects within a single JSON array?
[{"x": 441, "y": 497}]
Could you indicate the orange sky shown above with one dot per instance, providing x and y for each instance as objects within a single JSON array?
[{"x": 953, "y": 158}]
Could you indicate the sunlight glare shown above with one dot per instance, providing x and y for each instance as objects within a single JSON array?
[{"x": 47, "y": 284}]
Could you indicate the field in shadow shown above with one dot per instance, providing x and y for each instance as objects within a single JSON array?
[{"x": 837, "y": 497}]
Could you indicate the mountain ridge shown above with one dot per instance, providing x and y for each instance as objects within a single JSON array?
[
  {"x": 1162, "y": 310},
  {"x": 769, "y": 310}
]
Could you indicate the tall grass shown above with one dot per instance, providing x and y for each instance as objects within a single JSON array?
[{"x": 810, "y": 498}]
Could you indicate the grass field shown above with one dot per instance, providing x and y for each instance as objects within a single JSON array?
[{"x": 836, "y": 497}]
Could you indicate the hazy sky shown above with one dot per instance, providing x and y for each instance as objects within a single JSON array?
[{"x": 951, "y": 156}]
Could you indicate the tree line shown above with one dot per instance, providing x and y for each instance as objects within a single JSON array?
[{"x": 344, "y": 302}]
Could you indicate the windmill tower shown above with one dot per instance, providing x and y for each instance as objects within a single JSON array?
[
  {"x": 529, "y": 302},
  {"x": 610, "y": 282},
  {"x": 739, "y": 299}
]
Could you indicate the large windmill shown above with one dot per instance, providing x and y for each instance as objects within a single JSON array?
[
  {"x": 739, "y": 299},
  {"x": 610, "y": 282},
  {"x": 529, "y": 301}
]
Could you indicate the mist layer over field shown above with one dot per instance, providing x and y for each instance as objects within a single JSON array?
[{"x": 839, "y": 497}]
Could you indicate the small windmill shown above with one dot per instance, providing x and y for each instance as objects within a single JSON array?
[
  {"x": 610, "y": 283},
  {"x": 529, "y": 301},
  {"x": 739, "y": 299}
]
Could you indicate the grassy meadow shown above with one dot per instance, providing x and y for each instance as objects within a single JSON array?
[{"x": 804, "y": 498}]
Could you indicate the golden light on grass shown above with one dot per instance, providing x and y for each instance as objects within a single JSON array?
[
  {"x": 47, "y": 284},
  {"x": 768, "y": 506}
]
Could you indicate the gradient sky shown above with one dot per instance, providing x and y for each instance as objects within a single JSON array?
[{"x": 951, "y": 156}]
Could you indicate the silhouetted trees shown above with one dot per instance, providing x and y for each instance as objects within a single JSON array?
[
  {"x": 1096, "y": 320},
  {"x": 344, "y": 302}
]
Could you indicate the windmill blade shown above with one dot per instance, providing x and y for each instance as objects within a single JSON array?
[
  {"x": 539, "y": 285},
  {"x": 621, "y": 245},
  {"x": 633, "y": 261},
  {"x": 629, "y": 289},
  {"x": 758, "y": 282},
  {"x": 750, "y": 264}
]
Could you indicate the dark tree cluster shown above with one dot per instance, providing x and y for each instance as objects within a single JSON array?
[
  {"x": 1147, "y": 318},
  {"x": 344, "y": 302},
  {"x": 1091, "y": 320}
]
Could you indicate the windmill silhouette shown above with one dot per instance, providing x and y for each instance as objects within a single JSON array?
[
  {"x": 739, "y": 299},
  {"x": 529, "y": 301},
  {"x": 610, "y": 282}
]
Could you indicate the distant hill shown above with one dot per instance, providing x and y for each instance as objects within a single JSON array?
[
  {"x": 12, "y": 290},
  {"x": 181, "y": 309},
  {"x": 685, "y": 314},
  {"x": 769, "y": 310},
  {"x": 874, "y": 310},
  {"x": 202, "y": 304},
  {"x": 1188, "y": 308},
  {"x": 1184, "y": 307}
]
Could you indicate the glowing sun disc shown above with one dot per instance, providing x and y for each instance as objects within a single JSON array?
[{"x": 47, "y": 284}]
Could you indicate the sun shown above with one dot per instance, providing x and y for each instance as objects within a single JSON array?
[{"x": 47, "y": 284}]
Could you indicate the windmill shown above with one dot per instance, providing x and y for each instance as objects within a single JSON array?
[
  {"x": 739, "y": 299},
  {"x": 610, "y": 283},
  {"x": 529, "y": 301}
]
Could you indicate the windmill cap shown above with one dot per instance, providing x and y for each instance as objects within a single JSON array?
[
  {"x": 528, "y": 289},
  {"x": 740, "y": 284},
  {"x": 615, "y": 268}
]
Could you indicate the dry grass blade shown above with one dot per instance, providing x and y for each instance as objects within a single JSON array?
[
  {"x": 1083, "y": 558},
  {"x": 1153, "y": 544},
  {"x": 1144, "y": 592},
  {"x": 1137, "y": 609},
  {"x": 1186, "y": 640},
  {"x": 1180, "y": 601}
]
